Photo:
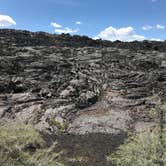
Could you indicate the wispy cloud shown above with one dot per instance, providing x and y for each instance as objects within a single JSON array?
[
  {"x": 60, "y": 29},
  {"x": 150, "y": 27},
  {"x": 78, "y": 22},
  {"x": 123, "y": 34},
  {"x": 6, "y": 21},
  {"x": 147, "y": 27},
  {"x": 155, "y": 39},
  {"x": 66, "y": 30},
  {"x": 158, "y": 26},
  {"x": 55, "y": 25}
]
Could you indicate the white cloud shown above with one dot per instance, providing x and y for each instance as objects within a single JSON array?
[
  {"x": 65, "y": 30},
  {"x": 150, "y": 27},
  {"x": 147, "y": 27},
  {"x": 158, "y": 26},
  {"x": 123, "y": 34},
  {"x": 78, "y": 22},
  {"x": 60, "y": 29},
  {"x": 6, "y": 21},
  {"x": 55, "y": 25},
  {"x": 155, "y": 39}
]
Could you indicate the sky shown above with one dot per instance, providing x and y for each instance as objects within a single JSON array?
[{"x": 125, "y": 20}]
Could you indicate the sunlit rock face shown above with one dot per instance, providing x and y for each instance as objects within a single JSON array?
[{"x": 88, "y": 90}]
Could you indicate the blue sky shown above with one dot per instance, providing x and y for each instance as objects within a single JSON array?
[{"x": 107, "y": 19}]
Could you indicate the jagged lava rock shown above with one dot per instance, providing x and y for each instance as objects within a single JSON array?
[{"x": 87, "y": 89}]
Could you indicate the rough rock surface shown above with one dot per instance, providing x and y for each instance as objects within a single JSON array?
[{"x": 94, "y": 92}]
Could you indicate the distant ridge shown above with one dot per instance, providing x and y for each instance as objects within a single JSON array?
[{"x": 17, "y": 37}]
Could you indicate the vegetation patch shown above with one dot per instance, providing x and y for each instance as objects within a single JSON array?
[
  {"x": 60, "y": 126},
  {"x": 143, "y": 149},
  {"x": 22, "y": 145}
]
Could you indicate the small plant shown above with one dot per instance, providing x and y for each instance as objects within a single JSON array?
[
  {"x": 61, "y": 127},
  {"x": 140, "y": 150}
]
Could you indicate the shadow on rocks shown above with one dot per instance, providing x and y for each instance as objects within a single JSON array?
[{"x": 90, "y": 149}]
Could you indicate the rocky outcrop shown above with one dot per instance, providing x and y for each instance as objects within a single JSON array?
[
  {"x": 81, "y": 93},
  {"x": 10, "y": 37}
]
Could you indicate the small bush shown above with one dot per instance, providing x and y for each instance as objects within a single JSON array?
[{"x": 143, "y": 149}]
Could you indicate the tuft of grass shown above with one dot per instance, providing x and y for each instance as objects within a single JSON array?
[
  {"x": 19, "y": 135},
  {"x": 22, "y": 145},
  {"x": 142, "y": 149},
  {"x": 61, "y": 127},
  {"x": 14, "y": 139},
  {"x": 78, "y": 159},
  {"x": 48, "y": 157}
]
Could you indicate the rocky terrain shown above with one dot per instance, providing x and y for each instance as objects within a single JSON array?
[{"x": 87, "y": 94}]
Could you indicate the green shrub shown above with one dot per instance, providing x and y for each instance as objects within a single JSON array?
[{"x": 140, "y": 150}]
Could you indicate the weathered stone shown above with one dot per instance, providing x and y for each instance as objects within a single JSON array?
[{"x": 86, "y": 88}]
